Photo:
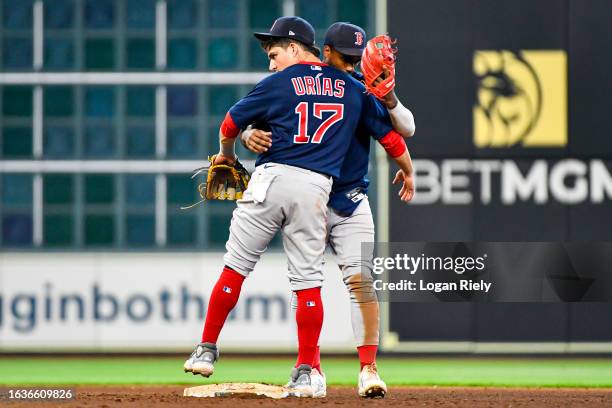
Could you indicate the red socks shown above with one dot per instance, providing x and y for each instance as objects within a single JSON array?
[
  {"x": 222, "y": 300},
  {"x": 309, "y": 318},
  {"x": 309, "y": 315},
  {"x": 367, "y": 355},
  {"x": 316, "y": 363}
]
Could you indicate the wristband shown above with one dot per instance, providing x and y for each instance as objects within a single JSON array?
[{"x": 393, "y": 143}]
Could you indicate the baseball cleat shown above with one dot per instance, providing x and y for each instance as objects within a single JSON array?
[
  {"x": 370, "y": 384},
  {"x": 300, "y": 382},
  {"x": 319, "y": 384},
  {"x": 202, "y": 360}
]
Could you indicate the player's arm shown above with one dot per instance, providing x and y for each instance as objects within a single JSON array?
[
  {"x": 227, "y": 140},
  {"x": 395, "y": 146},
  {"x": 246, "y": 111},
  {"x": 401, "y": 117},
  {"x": 256, "y": 140},
  {"x": 405, "y": 175},
  {"x": 377, "y": 122}
]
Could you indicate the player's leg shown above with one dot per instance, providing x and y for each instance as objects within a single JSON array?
[
  {"x": 306, "y": 277},
  {"x": 319, "y": 381},
  {"x": 345, "y": 237},
  {"x": 316, "y": 365},
  {"x": 252, "y": 228},
  {"x": 304, "y": 233},
  {"x": 317, "y": 376}
]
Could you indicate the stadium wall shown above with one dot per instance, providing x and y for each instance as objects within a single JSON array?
[{"x": 151, "y": 302}]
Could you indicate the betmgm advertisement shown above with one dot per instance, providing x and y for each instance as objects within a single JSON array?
[
  {"x": 520, "y": 105},
  {"x": 504, "y": 247},
  {"x": 507, "y": 123}
]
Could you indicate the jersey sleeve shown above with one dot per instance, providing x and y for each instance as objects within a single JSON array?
[
  {"x": 255, "y": 105},
  {"x": 375, "y": 118}
]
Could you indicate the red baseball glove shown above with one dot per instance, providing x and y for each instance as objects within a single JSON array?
[{"x": 378, "y": 57}]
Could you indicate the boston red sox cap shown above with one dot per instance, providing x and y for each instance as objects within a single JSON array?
[
  {"x": 290, "y": 27},
  {"x": 346, "y": 38}
]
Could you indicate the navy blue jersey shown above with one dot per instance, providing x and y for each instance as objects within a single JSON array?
[
  {"x": 352, "y": 185},
  {"x": 313, "y": 111}
]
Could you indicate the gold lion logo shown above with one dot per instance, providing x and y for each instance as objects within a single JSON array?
[{"x": 521, "y": 98}]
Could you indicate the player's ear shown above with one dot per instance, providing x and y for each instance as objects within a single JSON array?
[
  {"x": 326, "y": 51},
  {"x": 294, "y": 50}
]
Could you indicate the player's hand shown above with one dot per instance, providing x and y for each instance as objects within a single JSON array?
[
  {"x": 221, "y": 159},
  {"x": 406, "y": 193},
  {"x": 390, "y": 100},
  {"x": 257, "y": 140},
  {"x": 382, "y": 76}
]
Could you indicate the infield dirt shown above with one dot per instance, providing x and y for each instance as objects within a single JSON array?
[{"x": 172, "y": 396}]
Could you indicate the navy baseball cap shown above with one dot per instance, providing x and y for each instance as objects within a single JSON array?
[
  {"x": 347, "y": 38},
  {"x": 295, "y": 28}
]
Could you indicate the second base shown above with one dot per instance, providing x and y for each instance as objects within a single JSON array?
[{"x": 236, "y": 389}]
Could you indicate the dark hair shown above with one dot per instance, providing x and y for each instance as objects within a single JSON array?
[{"x": 284, "y": 42}]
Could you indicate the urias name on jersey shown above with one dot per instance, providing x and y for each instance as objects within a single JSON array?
[{"x": 309, "y": 85}]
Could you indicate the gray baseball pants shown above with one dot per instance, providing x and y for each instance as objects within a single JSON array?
[
  {"x": 344, "y": 236},
  {"x": 287, "y": 199}
]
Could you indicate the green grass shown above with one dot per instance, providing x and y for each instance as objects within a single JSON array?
[{"x": 395, "y": 371}]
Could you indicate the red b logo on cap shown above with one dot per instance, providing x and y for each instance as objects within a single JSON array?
[{"x": 358, "y": 38}]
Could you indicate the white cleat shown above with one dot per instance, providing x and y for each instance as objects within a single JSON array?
[
  {"x": 300, "y": 383},
  {"x": 202, "y": 360},
  {"x": 370, "y": 384},
  {"x": 319, "y": 384}
]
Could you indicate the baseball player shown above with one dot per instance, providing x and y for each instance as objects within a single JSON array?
[
  {"x": 313, "y": 111},
  {"x": 349, "y": 215}
]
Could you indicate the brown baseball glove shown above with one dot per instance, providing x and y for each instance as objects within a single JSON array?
[{"x": 223, "y": 181}]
